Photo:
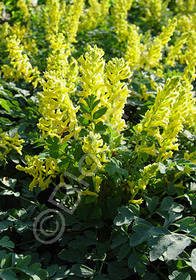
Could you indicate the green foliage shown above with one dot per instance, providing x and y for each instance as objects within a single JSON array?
[{"x": 131, "y": 222}]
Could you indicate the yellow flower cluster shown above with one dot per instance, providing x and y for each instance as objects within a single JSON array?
[
  {"x": 117, "y": 92},
  {"x": 24, "y": 34},
  {"x": 191, "y": 157},
  {"x": 153, "y": 9},
  {"x": 186, "y": 41},
  {"x": 189, "y": 58},
  {"x": 175, "y": 50},
  {"x": 9, "y": 143},
  {"x": 62, "y": 18},
  {"x": 153, "y": 55},
  {"x": 134, "y": 47},
  {"x": 1, "y": 9},
  {"x": 56, "y": 107},
  {"x": 174, "y": 108},
  {"x": 95, "y": 154},
  {"x": 71, "y": 20},
  {"x": 185, "y": 5},
  {"x": 103, "y": 82},
  {"x": 52, "y": 17},
  {"x": 95, "y": 14},
  {"x": 148, "y": 172},
  {"x": 22, "y": 5},
  {"x": 92, "y": 67},
  {"x": 185, "y": 23},
  {"x": 22, "y": 68},
  {"x": 41, "y": 170},
  {"x": 164, "y": 115},
  {"x": 119, "y": 16},
  {"x": 140, "y": 55}
]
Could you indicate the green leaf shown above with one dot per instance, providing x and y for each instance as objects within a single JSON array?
[
  {"x": 101, "y": 277},
  {"x": 71, "y": 255},
  {"x": 124, "y": 219},
  {"x": 118, "y": 270},
  {"x": 150, "y": 276},
  {"x": 137, "y": 261},
  {"x": 99, "y": 113},
  {"x": 118, "y": 240},
  {"x": 152, "y": 203},
  {"x": 9, "y": 192},
  {"x": 166, "y": 203},
  {"x": 6, "y": 243},
  {"x": 10, "y": 182},
  {"x": 82, "y": 271},
  {"x": 177, "y": 275},
  {"x": 95, "y": 104},
  {"x": 100, "y": 127},
  {"x": 24, "y": 262},
  {"x": 193, "y": 259},
  {"x": 162, "y": 168},
  {"x": 54, "y": 146},
  {"x": 171, "y": 245},
  {"x": 84, "y": 108},
  {"x": 8, "y": 275},
  {"x": 5, "y": 104},
  {"x": 123, "y": 251},
  {"x": 7, "y": 261},
  {"x": 126, "y": 215},
  {"x": 2, "y": 254},
  {"x": 138, "y": 238},
  {"x": 186, "y": 224},
  {"x": 57, "y": 272},
  {"x": 81, "y": 241}
]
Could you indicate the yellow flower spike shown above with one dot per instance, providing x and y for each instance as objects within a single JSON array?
[
  {"x": 119, "y": 14},
  {"x": 56, "y": 107},
  {"x": 153, "y": 9},
  {"x": 97, "y": 183},
  {"x": 22, "y": 5},
  {"x": 72, "y": 21},
  {"x": 180, "y": 185},
  {"x": 92, "y": 67},
  {"x": 190, "y": 5},
  {"x": 1, "y": 9},
  {"x": 95, "y": 14},
  {"x": 154, "y": 53},
  {"x": 19, "y": 61},
  {"x": 148, "y": 172},
  {"x": 132, "y": 186},
  {"x": 167, "y": 114},
  {"x": 117, "y": 92},
  {"x": 52, "y": 16},
  {"x": 94, "y": 149}
]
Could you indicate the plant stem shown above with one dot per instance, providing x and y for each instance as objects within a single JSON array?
[{"x": 160, "y": 273}]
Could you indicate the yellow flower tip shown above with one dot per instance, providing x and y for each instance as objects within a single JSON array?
[
  {"x": 90, "y": 193},
  {"x": 136, "y": 201},
  {"x": 180, "y": 185}
]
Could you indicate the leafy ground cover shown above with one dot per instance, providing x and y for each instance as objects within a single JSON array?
[{"x": 97, "y": 140}]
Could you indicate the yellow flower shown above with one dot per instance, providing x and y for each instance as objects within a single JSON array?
[
  {"x": 41, "y": 170},
  {"x": 8, "y": 143}
]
